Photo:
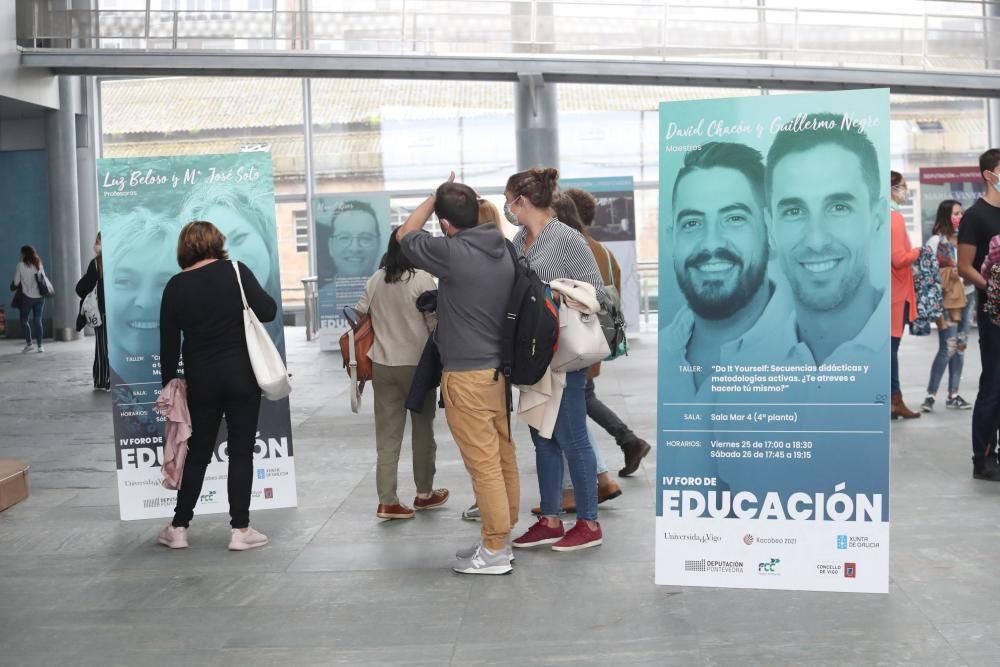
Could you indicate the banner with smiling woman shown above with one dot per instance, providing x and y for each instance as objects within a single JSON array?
[
  {"x": 773, "y": 456},
  {"x": 144, "y": 203}
]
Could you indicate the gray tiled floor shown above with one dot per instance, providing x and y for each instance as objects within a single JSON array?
[{"x": 79, "y": 587}]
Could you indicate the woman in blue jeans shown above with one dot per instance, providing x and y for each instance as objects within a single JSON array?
[
  {"x": 554, "y": 251},
  {"x": 29, "y": 299},
  {"x": 958, "y": 310}
]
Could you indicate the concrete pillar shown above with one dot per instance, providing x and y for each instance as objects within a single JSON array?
[
  {"x": 86, "y": 169},
  {"x": 993, "y": 117},
  {"x": 536, "y": 122},
  {"x": 64, "y": 217}
]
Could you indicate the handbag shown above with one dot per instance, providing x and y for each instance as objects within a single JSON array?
[
  {"x": 355, "y": 344},
  {"x": 45, "y": 287},
  {"x": 268, "y": 368},
  {"x": 90, "y": 310},
  {"x": 582, "y": 342},
  {"x": 612, "y": 318}
]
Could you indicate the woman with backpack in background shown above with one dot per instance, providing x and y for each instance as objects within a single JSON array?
[
  {"x": 554, "y": 251},
  {"x": 401, "y": 332},
  {"x": 28, "y": 297},
  {"x": 93, "y": 281}
]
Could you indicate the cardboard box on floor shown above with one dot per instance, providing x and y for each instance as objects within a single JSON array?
[{"x": 13, "y": 482}]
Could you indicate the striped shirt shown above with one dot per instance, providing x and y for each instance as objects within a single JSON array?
[{"x": 561, "y": 252}]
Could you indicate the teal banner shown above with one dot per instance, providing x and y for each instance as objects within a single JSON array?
[
  {"x": 352, "y": 234},
  {"x": 774, "y": 344},
  {"x": 144, "y": 203}
]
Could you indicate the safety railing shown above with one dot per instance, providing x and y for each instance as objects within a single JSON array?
[{"x": 915, "y": 34}]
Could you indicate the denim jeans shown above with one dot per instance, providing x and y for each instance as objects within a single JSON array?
[
  {"x": 948, "y": 356},
  {"x": 32, "y": 308},
  {"x": 569, "y": 439},
  {"x": 986, "y": 414},
  {"x": 602, "y": 467}
]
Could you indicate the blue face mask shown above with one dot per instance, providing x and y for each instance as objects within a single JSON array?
[{"x": 996, "y": 186}]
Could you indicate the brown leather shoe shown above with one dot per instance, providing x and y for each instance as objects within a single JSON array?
[
  {"x": 568, "y": 505},
  {"x": 394, "y": 512},
  {"x": 899, "y": 408},
  {"x": 608, "y": 492},
  {"x": 634, "y": 452},
  {"x": 438, "y": 497}
]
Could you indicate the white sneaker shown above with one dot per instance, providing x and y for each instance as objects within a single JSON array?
[
  {"x": 40, "y": 349},
  {"x": 482, "y": 562},
  {"x": 242, "y": 541},
  {"x": 27, "y": 348},
  {"x": 175, "y": 538}
]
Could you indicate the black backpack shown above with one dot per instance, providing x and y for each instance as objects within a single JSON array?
[{"x": 530, "y": 328}]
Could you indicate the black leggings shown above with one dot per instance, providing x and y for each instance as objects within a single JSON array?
[{"x": 227, "y": 389}]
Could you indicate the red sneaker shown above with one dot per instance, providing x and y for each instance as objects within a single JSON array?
[
  {"x": 580, "y": 536},
  {"x": 540, "y": 534}
]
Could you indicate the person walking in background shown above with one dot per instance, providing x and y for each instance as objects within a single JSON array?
[
  {"x": 28, "y": 297},
  {"x": 93, "y": 280},
  {"x": 633, "y": 447},
  {"x": 904, "y": 303},
  {"x": 203, "y": 304},
  {"x": 554, "y": 251},
  {"x": 401, "y": 332},
  {"x": 980, "y": 223},
  {"x": 952, "y": 335}
]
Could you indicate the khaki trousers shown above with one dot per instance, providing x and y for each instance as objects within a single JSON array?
[
  {"x": 476, "y": 409},
  {"x": 391, "y": 385}
]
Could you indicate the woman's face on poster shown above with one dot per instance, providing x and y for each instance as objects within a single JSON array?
[
  {"x": 138, "y": 276},
  {"x": 243, "y": 240}
]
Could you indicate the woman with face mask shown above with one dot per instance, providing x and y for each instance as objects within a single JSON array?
[
  {"x": 554, "y": 251},
  {"x": 92, "y": 280},
  {"x": 904, "y": 300},
  {"x": 953, "y": 335}
]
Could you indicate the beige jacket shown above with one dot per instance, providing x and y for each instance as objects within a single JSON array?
[
  {"x": 401, "y": 331},
  {"x": 538, "y": 405}
]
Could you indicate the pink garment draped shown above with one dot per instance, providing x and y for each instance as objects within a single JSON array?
[{"x": 172, "y": 404}]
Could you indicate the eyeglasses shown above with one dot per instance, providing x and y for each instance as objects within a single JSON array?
[{"x": 363, "y": 240}]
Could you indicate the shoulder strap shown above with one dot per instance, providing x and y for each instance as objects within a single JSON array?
[
  {"x": 239, "y": 281},
  {"x": 611, "y": 269}
]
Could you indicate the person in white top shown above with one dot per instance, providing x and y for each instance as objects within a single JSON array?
[
  {"x": 28, "y": 298},
  {"x": 401, "y": 332}
]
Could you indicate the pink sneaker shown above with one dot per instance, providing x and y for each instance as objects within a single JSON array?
[
  {"x": 242, "y": 541},
  {"x": 538, "y": 535},
  {"x": 175, "y": 538},
  {"x": 580, "y": 536}
]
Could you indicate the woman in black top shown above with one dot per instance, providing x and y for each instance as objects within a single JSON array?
[
  {"x": 203, "y": 303},
  {"x": 94, "y": 279}
]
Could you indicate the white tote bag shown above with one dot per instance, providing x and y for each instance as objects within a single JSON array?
[
  {"x": 582, "y": 342},
  {"x": 267, "y": 365},
  {"x": 90, "y": 309}
]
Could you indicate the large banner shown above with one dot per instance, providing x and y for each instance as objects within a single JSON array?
[
  {"x": 614, "y": 226},
  {"x": 144, "y": 203},
  {"x": 773, "y": 455},
  {"x": 352, "y": 233},
  {"x": 937, "y": 184}
]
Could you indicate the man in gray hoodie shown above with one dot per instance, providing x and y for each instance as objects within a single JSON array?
[{"x": 476, "y": 274}]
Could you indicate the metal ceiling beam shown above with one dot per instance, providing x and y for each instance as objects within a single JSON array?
[{"x": 772, "y": 75}]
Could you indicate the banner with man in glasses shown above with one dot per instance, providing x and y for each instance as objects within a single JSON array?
[{"x": 352, "y": 232}]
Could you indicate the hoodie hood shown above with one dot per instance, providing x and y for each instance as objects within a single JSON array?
[{"x": 486, "y": 239}]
